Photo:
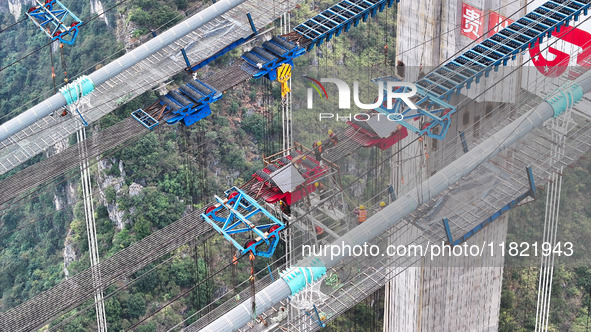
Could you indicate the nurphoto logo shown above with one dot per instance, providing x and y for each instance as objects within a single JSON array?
[
  {"x": 393, "y": 90},
  {"x": 345, "y": 93}
]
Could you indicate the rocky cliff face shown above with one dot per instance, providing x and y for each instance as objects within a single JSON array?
[
  {"x": 64, "y": 194},
  {"x": 117, "y": 183},
  {"x": 96, "y": 7},
  {"x": 69, "y": 253},
  {"x": 65, "y": 197},
  {"x": 124, "y": 31},
  {"x": 15, "y": 7}
]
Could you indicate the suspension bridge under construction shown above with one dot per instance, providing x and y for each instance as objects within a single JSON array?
[{"x": 446, "y": 182}]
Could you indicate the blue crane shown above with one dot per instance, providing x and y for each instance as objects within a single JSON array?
[{"x": 56, "y": 21}]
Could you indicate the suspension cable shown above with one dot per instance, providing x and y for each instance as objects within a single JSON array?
[
  {"x": 14, "y": 24},
  {"x": 52, "y": 70}
]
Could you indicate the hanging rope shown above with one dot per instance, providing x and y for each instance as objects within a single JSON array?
[
  {"x": 63, "y": 62},
  {"x": 271, "y": 108},
  {"x": 387, "y": 31},
  {"x": 202, "y": 163},
  {"x": 52, "y": 69},
  {"x": 194, "y": 251},
  {"x": 251, "y": 257},
  {"x": 14, "y": 24},
  {"x": 265, "y": 120}
]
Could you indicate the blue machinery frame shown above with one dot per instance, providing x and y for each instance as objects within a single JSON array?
[
  {"x": 530, "y": 193},
  {"x": 437, "y": 111},
  {"x": 50, "y": 18},
  {"x": 190, "y": 102},
  {"x": 145, "y": 119},
  {"x": 264, "y": 61},
  {"x": 339, "y": 18},
  {"x": 236, "y": 222}
]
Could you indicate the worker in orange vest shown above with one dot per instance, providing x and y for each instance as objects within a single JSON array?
[
  {"x": 361, "y": 213},
  {"x": 333, "y": 137}
]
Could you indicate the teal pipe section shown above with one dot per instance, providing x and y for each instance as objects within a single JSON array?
[
  {"x": 297, "y": 278},
  {"x": 565, "y": 98},
  {"x": 77, "y": 89}
]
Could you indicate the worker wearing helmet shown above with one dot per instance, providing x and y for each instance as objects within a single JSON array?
[
  {"x": 361, "y": 214},
  {"x": 318, "y": 151},
  {"x": 285, "y": 208},
  {"x": 382, "y": 205},
  {"x": 320, "y": 187},
  {"x": 333, "y": 137}
]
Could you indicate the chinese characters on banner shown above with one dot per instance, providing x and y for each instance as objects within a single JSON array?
[
  {"x": 497, "y": 23},
  {"x": 472, "y": 22}
]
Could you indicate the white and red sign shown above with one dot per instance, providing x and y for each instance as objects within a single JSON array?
[
  {"x": 497, "y": 22},
  {"x": 472, "y": 22},
  {"x": 569, "y": 48}
]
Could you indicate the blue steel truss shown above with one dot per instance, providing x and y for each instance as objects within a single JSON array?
[
  {"x": 436, "y": 111},
  {"x": 339, "y": 18},
  {"x": 233, "y": 216},
  {"x": 530, "y": 193},
  {"x": 503, "y": 46},
  {"x": 56, "y": 21},
  {"x": 437, "y": 87}
]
